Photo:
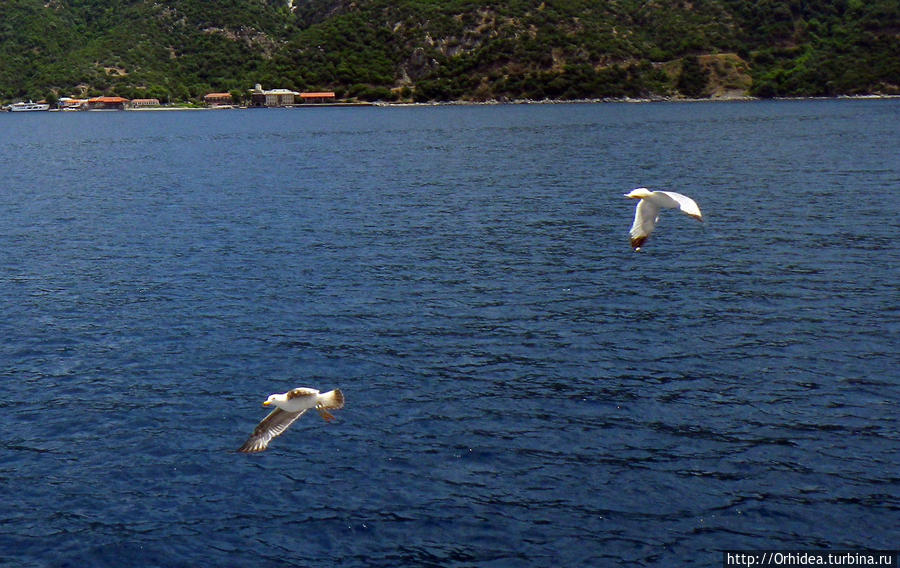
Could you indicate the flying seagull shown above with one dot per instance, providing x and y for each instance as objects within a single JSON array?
[
  {"x": 646, "y": 214},
  {"x": 289, "y": 407}
]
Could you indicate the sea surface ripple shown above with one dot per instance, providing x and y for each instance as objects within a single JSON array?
[{"x": 522, "y": 389}]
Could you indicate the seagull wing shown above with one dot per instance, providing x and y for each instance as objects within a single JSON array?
[
  {"x": 685, "y": 204},
  {"x": 271, "y": 426},
  {"x": 646, "y": 214}
]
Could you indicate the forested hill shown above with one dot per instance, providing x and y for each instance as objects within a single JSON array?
[{"x": 424, "y": 50}]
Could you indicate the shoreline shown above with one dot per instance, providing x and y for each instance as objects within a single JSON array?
[
  {"x": 629, "y": 100},
  {"x": 626, "y": 100}
]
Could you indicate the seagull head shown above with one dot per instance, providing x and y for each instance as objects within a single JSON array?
[
  {"x": 271, "y": 400},
  {"x": 638, "y": 193}
]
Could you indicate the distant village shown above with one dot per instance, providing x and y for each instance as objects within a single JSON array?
[{"x": 259, "y": 98}]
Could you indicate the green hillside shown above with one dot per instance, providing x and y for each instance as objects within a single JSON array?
[{"x": 423, "y": 50}]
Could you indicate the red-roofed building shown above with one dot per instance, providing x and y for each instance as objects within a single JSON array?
[
  {"x": 107, "y": 103},
  {"x": 218, "y": 99},
  {"x": 69, "y": 103},
  {"x": 319, "y": 97}
]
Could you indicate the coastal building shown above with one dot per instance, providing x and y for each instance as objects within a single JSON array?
[
  {"x": 280, "y": 97},
  {"x": 144, "y": 103},
  {"x": 218, "y": 99},
  {"x": 70, "y": 103},
  {"x": 317, "y": 97},
  {"x": 273, "y": 98},
  {"x": 106, "y": 103}
]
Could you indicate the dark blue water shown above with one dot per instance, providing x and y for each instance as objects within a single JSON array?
[{"x": 522, "y": 389}]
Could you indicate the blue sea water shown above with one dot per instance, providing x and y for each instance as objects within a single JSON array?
[{"x": 522, "y": 389}]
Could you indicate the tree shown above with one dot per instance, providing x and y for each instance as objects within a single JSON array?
[{"x": 693, "y": 78}]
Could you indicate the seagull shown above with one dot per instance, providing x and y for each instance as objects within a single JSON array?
[
  {"x": 646, "y": 214},
  {"x": 289, "y": 407}
]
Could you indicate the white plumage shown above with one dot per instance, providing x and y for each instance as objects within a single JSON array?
[
  {"x": 289, "y": 407},
  {"x": 646, "y": 214}
]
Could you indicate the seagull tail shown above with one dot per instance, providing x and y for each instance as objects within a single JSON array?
[{"x": 331, "y": 400}]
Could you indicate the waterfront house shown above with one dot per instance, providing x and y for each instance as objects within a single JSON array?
[
  {"x": 317, "y": 97},
  {"x": 70, "y": 103},
  {"x": 107, "y": 103},
  {"x": 144, "y": 103},
  {"x": 272, "y": 98},
  {"x": 218, "y": 99},
  {"x": 280, "y": 97}
]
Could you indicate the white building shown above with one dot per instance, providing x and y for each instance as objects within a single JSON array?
[{"x": 272, "y": 98}]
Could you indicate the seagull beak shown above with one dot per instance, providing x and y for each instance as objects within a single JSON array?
[{"x": 267, "y": 403}]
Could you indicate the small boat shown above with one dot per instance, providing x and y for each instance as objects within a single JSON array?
[{"x": 28, "y": 107}]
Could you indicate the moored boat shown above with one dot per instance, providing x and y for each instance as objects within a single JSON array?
[{"x": 28, "y": 107}]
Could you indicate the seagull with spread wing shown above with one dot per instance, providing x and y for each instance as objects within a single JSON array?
[
  {"x": 646, "y": 214},
  {"x": 289, "y": 407}
]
